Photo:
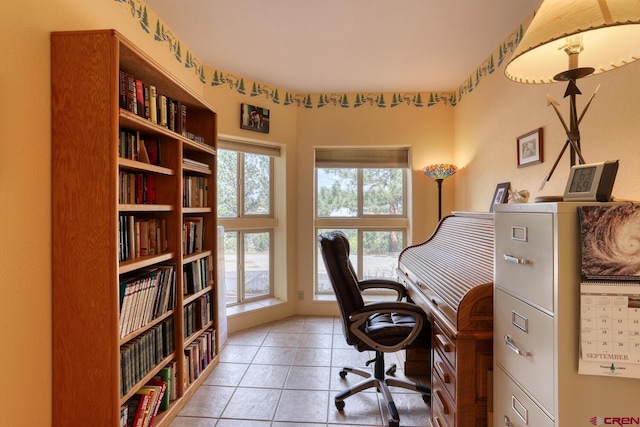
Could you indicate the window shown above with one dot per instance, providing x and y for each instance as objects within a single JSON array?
[
  {"x": 245, "y": 210},
  {"x": 363, "y": 193}
]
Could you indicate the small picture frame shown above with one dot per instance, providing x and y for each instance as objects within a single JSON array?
[
  {"x": 254, "y": 118},
  {"x": 501, "y": 194},
  {"x": 529, "y": 148}
]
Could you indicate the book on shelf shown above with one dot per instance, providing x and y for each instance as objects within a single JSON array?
[
  {"x": 152, "y": 148},
  {"x": 124, "y": 415},
  {"x": 157, "y": 391},
  {"x": 139, "y": 98},
  {"x": 192, "y": 162},
  {"x": 147, "y": 100},
  {"x": 139, "y": 406},
  {"x": 153, "y": 104},
  {"x": 144, "y": 352},
  {"x": 144, "y": 296},
  {"x": 165, "y": 376},
  {"x": 161, "y": 392}
]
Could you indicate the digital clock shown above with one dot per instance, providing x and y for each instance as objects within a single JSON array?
[{"x": 591, "y": 182}]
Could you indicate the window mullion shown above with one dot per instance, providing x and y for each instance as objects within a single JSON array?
[{"x": 360, "y": 179}]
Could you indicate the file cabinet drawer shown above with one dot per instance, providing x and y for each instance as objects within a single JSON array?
[
  {"x": 524, "y": 256},
  {"x": 523, "y": 346},
  {"x": 513, "y": 408}
]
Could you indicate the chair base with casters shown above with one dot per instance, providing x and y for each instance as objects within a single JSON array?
[{"x": 381, "y": 380}]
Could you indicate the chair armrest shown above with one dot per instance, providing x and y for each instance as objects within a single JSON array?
[
  {"x": 359, "y": 319},
  {"x": 384, "y": 284}
]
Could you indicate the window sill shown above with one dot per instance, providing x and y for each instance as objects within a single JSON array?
[
  {"x": 367, "y": 298},
  {"x": 253, "y": 306}
]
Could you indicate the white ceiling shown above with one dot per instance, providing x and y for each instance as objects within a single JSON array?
[{"x": 324, "y": 46}]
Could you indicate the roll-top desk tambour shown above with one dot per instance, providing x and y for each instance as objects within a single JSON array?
[
  {"x": 536, "y": 340},
  {"x": 450, "y": 277}
]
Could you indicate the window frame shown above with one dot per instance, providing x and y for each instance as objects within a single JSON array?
[
  {"x": 348, "y": 158},
  {"x": 245, "y": 223}
]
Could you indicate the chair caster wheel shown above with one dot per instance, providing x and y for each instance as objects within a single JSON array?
[
  {"x": 426, "y": 399},
  {"x": 340, "y": 405},
  {"x": 391, "y": 370},
  {"x": 394, "y": 423},
  {"x": 343, "y": 374}
]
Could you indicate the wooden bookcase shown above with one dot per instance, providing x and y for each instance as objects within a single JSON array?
[{"x": 88, "y": 267}]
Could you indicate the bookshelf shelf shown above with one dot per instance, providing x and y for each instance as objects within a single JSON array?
[
  {"x": 120, "y": 318},
  {"x": 135, "y": 165}
]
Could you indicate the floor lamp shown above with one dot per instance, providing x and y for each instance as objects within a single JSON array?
[
  {"x": 602, "y": 34},
  {"x": 439, "y": 172}
]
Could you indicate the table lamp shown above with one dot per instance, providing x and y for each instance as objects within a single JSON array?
[
  {"x": 439, "y": 172},
  {"x": 591, "y": 36}
]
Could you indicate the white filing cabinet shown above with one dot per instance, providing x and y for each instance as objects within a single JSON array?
[{"x": 536, "y": 326}]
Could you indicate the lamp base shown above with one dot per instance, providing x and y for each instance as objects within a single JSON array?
[{"x": 546, "y": 199}]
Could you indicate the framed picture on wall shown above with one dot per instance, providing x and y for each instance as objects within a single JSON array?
[
  {"x": 254, "y": 118},
  {"x": 501, "y": 194},
  {"x": 529, "y": 148}
]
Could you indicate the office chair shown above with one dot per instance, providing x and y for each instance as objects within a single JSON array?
[{"x": 382, "y": 327}]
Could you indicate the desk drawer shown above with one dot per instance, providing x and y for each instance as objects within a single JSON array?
[
  {"x": 513, "y": 408},
  {"x": 524, "y": 256},
  {"x": 520, "y": 327},
  {"x": 442, "y": 408},
  {"x": 444, "y": 374},
  {"x": 444, "y": 344}
]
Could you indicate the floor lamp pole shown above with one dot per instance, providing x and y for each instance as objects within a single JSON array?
[{"x": 439, "y": 181}]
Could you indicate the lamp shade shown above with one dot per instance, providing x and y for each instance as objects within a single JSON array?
[
  {"x": 439, "y": 171},
  {"x": 610, "y": 32}
]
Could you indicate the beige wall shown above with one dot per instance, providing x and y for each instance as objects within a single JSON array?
[
  {"x": 25, "y": 187},
  {"x": 428, "y": 131},
  {"x": 478, "y": 134},
  {"x": 488, "y": 121}
]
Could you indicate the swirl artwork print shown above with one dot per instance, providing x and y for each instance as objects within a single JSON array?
[{"x": 610, "y": 242}]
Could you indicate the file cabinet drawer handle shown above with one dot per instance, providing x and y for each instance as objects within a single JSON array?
[
  {"x": 515, "y": 260},
  {"x": 507, "y": 423},
  {"x": 514, "y": 348}
]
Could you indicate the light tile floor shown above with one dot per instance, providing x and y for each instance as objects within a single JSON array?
[{"x": 286, "y": 373}]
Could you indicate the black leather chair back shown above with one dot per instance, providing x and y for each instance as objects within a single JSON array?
[{"x": 344, "y": 280}]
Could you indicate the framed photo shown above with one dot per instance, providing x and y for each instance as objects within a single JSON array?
[
  {"x": 501, "y": 194},
  {"x": 530, "y": 148},
  {"x": 254, "y": 118}
]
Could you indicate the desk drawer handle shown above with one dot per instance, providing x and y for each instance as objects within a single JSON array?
[
  {"x": 507, "y": 423},
  {"x": 438, "y": 423},
  {"x": 514, "y": 348},
  {"x": 444, "y": 343},
  {"x": 515, "y": 260},
  {"x": 440, "y": 368},
  {"x": 445, "y": 408}
]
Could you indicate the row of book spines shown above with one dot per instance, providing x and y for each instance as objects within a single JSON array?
[
  {"x": 132, "y": 146},
  {"x": 141, "y": 409},
  {"x": 143, "y": 353},
  {"x": 146, "y": 297},
  {"x": 192, "y": 235},
  {"x": 144, "y": 100},
  {"x": 198, "y": 355},
  {"x": 141, "y": 236},
  {"x": 195, "y": 191},
  {"x": 138, "y": 188},
  {"x": 197, "y": 275},
  {"x": 197, "y": 314}
]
